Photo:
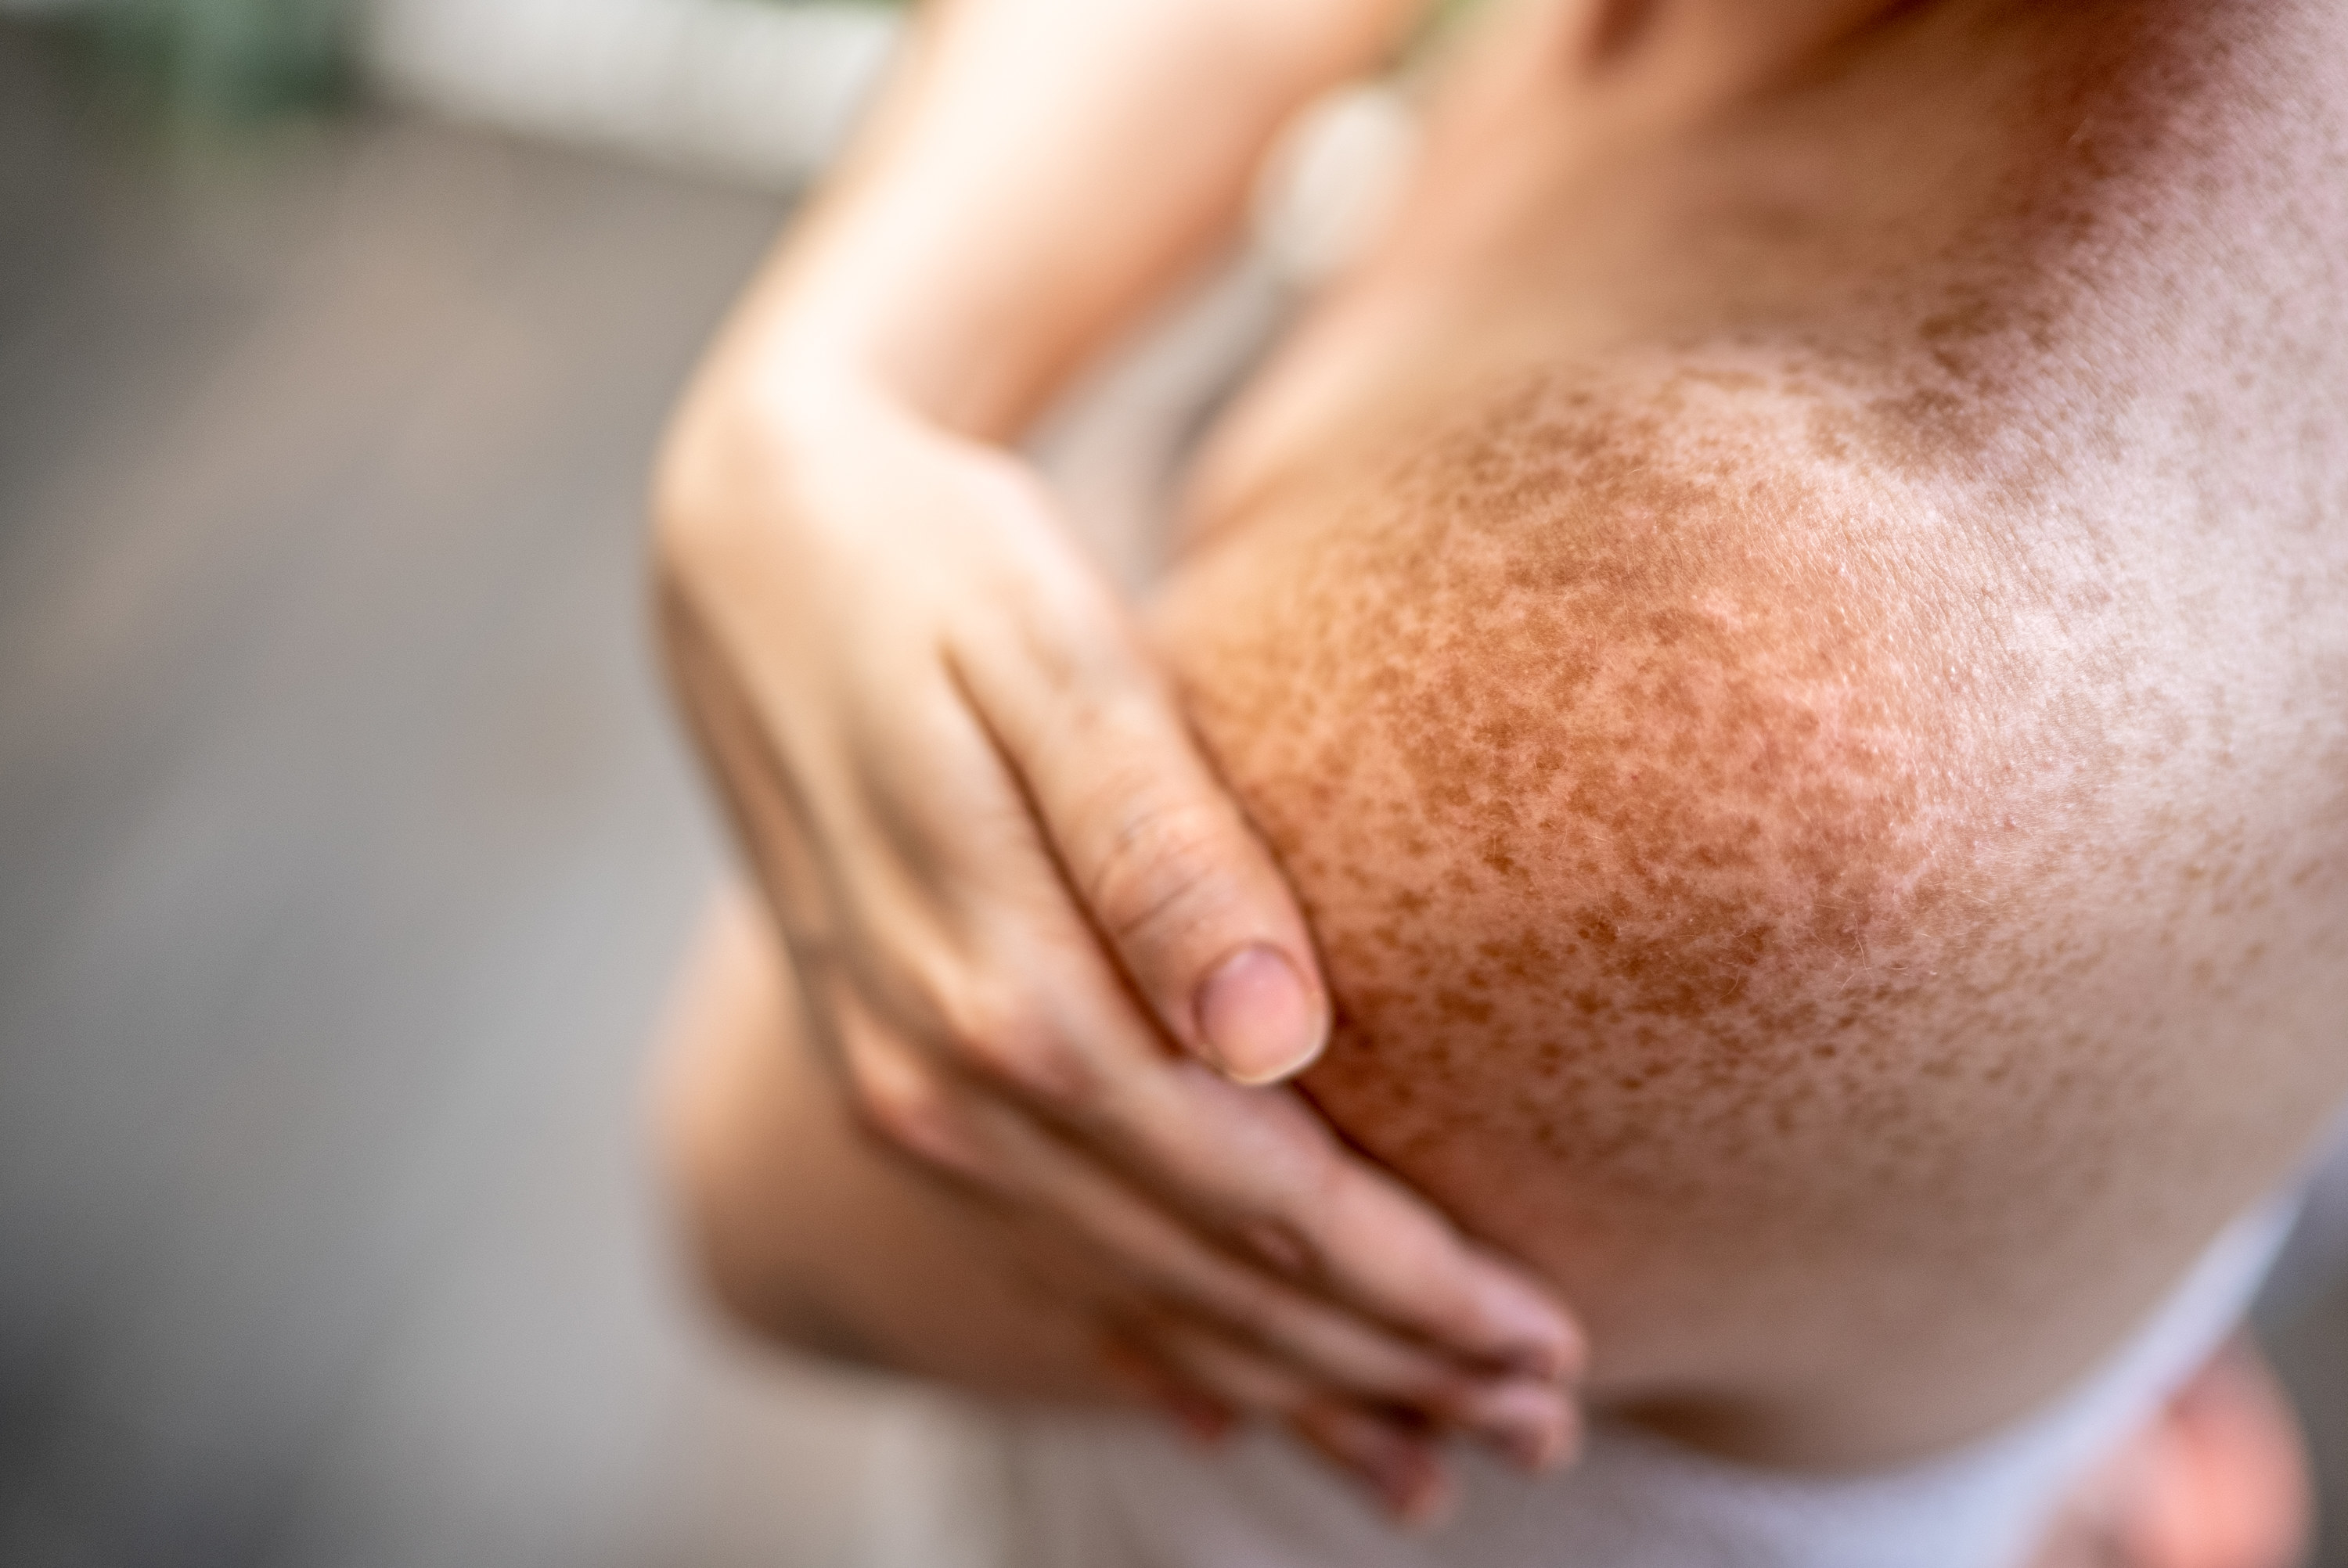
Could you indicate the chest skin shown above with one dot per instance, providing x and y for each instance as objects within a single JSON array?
[{"x": 1796, "y": 650}]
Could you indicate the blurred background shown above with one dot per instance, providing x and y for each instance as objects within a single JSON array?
[{"x": 344, "y": 846}]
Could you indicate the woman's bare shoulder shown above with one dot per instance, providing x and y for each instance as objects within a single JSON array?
[{"x": 1758, "y": 877}]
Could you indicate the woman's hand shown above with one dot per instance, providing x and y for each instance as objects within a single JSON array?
[{"x": 1021, "y": 909}]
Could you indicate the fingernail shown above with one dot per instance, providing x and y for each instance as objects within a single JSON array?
[
  {"x": 1206, "y": 1421},
  {"x": 1528, "y": 1422},
  {"x": 1554, "y": 1448},
  {"x": 1414, "y": 1486},
  {"x": 1257, "y": 1017},
  {"x": 1540, "y": 1342}
]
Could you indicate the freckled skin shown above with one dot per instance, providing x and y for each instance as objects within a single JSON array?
[
  {"x": 1794, "y": 644},
  {"x": 1829, "y": 827}
]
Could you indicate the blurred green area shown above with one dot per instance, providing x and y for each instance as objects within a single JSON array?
[
  {"x": 215, "y": 60},
  {"x": 243, "y": 60},
  {"x": 228, "y": 61}
]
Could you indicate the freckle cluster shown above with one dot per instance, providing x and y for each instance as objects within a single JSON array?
[
  {"x": 1626, "y": 825},
  {"x": 1711, "y": 866},
  {"x": 1790, "y": 798},
  {"x": 1596, "y": 807}
]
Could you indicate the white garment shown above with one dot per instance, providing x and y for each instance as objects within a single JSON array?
[{"x": 1116, "y": 1493}]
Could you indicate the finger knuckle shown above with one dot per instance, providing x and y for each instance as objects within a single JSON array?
[
  {"x": 1285, "y": 1245},
  {"x": 1159, "y": 867},
  {"x": 1007, "y": 1035},
  {"x": 1072, "y": 634},
  {"x": 691, "y": 522},
  {"x": 906, "y": 1109},
  {"x": 1333, "y": 1187},
  {"x": 1307, "y": 1192},
  {"x": 1249, "y": 1303}
]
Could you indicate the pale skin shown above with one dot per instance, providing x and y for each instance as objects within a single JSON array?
[
  {"x": 1015, "y": 894},
  {"x": 1789, "y": 629}
]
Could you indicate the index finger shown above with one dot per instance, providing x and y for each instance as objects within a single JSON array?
[{"x": 1165, "y": 864}]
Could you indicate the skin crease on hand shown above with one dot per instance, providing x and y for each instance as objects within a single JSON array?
[{"x": 1835, "y": 781}]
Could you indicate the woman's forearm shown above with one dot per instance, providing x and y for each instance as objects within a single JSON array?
[{"x": 1036, "y": 173}]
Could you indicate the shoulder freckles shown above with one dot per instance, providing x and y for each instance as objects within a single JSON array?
[{"x": 1619, "y": 635}]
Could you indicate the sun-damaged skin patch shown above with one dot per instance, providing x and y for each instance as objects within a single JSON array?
[
  {"x": 1714, "y": 864},
  {"x": 1797, "y": 660},
  {"x": 1580, "y": 751}
]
